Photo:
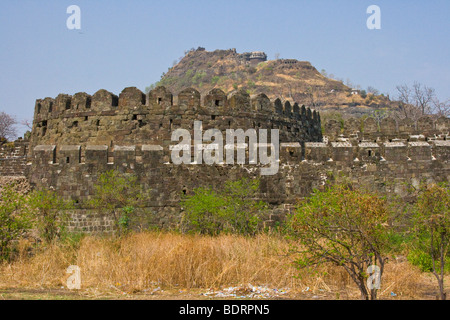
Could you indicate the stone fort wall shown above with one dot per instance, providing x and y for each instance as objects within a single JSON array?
[
  {"x": 13, "y": 158},
  {"x": 75, "y": 138},
  {"x": 387, "y": 167}
]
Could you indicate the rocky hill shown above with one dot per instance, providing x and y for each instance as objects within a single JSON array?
[{"x": 288, "y": 79}]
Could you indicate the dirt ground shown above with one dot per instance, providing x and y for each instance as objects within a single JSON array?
[{"x": 428, "y": 292}]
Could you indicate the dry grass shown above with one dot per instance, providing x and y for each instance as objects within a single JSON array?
[{"x": 144, "y": 261}]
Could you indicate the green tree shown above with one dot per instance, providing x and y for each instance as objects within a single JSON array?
[
  {"x": 431, "y": 226},
  {"x": 120, "y": 195},
  {"x": 15, "y": 219},
  {"x": 346, "y": 228},
  {"x": 363, "y": 94}
]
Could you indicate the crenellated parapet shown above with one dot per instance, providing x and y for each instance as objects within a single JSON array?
[
  {"x": 366, "y": 151},
  {"x": 152, "y": 156},
  {"x": 388, "y": 128},
  {"x": 133, "y": 117},
  {"x": 13, "y": 158}
]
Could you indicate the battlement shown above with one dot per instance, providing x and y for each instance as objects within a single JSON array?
[
  {"x": 372, "y": 152},
  {"x": 160, "y": 99},
  {"x": 13, "y": 158},
  {"x": 425, "y": 128},
  {"x": 133, "y": 117},
  {"x": 342, "y": 151}
]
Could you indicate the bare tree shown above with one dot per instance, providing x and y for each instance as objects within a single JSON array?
[
  {"x": 29, "y": 124},
  {"x": 7, "y": 127},
  {"x": 349, "y": 83},
  {"x": 314, "y": 97},
  {"x": 419, "y": 100},
  {"x": 423, "y": 97},
  {"x": 372, "y": 90},
  {"x": 441, "y": 109}
]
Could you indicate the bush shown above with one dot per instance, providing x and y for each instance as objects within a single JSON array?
[
  {"x": 231, "y": 210},
  {"x": 118, "y": 194},
  {"x": 15, "y": 219},
  {"x": 421, "y": 259},
  {"x": 49, "y": 214},
  {"x": 214, "y": 80}
]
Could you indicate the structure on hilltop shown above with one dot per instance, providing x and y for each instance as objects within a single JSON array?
[
  {"x": 76, "y": 138},
  {"x": 254, "y": 57}
]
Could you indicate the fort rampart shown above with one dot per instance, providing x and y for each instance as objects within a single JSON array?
[{"x": 76, "y": 138}]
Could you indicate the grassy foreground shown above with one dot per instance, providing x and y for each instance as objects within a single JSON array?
[{"x": 155, "y": 265}]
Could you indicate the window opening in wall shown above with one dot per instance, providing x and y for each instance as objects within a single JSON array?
[{"x": 115, "y": 101}]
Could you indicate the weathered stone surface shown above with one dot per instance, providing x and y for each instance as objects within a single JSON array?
[{"x": 73, "y": 142}]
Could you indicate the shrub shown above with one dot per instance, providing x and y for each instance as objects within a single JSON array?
[
  {"x": 231, "y": 210},
  {"x": 214, "y": 80},
  {"x": 15, "y": 219},
  {"x": 118, "y": 194},
  {"x": 49, "y": 214}
]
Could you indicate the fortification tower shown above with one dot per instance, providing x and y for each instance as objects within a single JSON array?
[{"x": 76, "y": 138}]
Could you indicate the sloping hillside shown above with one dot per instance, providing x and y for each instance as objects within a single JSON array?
[{"x": 289, "y": 79}]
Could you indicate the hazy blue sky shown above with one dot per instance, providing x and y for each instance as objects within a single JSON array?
[{"x": 130, "y": 43}]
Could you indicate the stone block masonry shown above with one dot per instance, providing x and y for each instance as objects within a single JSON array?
[{"x": 76, "y": 138}]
